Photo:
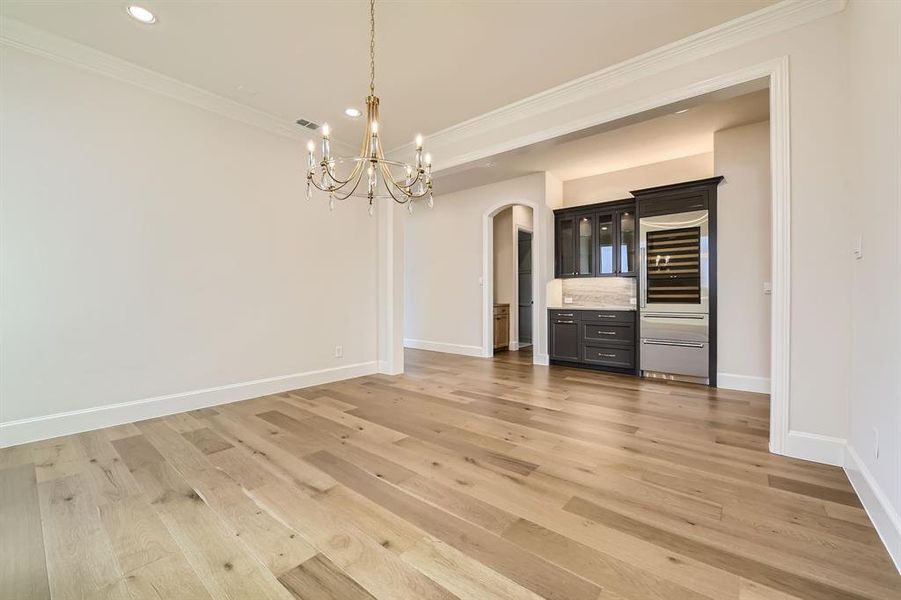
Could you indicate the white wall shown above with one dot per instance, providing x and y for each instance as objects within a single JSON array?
[
  {"x": 873, "y": 193},
  {"x": 742, "y": 156},
  {"x": 443, "y": 253},
  {"x": 152, "y": 248},
  {"x": 617, "y": 185}
]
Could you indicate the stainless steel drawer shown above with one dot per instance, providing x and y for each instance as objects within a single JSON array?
[
  {"x": 623, "y": 333},
  {"x": 675, "y": 357},
  {"x": 675, "y": 326},
  {"x": 607, "y": 356}
]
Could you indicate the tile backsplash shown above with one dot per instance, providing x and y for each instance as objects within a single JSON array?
[{"x": 600, "y": 291}]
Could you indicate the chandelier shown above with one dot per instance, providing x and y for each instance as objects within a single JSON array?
[{"x": 384, "y": 178}]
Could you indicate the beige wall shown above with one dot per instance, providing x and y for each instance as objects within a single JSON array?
[
  {"x": 443, "y": 251},
  {"x": 873, "y": 193},
  {"x": 152, "y": 248},
  {"x": 743, "y": 254},
  {"x": 617, "y": 184}
]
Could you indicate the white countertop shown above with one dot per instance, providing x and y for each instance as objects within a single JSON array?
[{"x": 590, "y": 307}]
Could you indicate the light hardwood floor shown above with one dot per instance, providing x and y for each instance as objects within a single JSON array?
[{"x": 465, "y": 477}]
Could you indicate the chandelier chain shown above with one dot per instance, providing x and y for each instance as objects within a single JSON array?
[{"x": 372, "y": 47}]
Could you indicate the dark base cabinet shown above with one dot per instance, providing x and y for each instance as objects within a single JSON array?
[{"x": 593, "y": 339}]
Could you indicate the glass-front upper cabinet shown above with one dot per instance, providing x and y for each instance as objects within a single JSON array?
[
  {"x": 606, "y": 245},
  {"x": 596, "y": 241},
  {"x": 566, "y": 246},
  {"x": 585, "y": 245},
  {"x": 627, "y": 242}
]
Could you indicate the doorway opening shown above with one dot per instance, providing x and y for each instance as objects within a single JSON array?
[
  {"x": 760, "y": 88},
  {"x": 512, "y": 282}
]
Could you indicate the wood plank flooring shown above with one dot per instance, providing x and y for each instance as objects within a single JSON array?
[{"x": 462, "y": 478}]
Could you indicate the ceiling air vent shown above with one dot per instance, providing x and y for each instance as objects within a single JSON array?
[{"x": 308, "y": 124}]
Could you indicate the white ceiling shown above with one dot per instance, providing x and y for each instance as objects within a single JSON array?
[
  {"x": 642, "y": 139},
  {"x": 438, "y": 63}
]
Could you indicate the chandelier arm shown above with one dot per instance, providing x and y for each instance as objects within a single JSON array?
[
  {"x": 390, "y": 183},
  {"x": 329, "y": 188},
  {"x": 352, "y": 190},
  {"x": 355, "y": 173},
  {"x": 395, "y": 198},
  {"x": 402, "y": 184}
]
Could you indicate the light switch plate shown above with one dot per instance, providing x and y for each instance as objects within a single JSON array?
[
  {"x": 858, "y": 248},
  {"x": 767, "y": 288}
]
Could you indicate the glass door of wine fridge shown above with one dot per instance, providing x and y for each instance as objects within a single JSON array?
[{"x": 674, "y": 263}]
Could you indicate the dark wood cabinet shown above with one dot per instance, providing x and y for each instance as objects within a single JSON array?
[
  {"x": 596, "y": 241},
  {"x": 592, "y": 338},
  {"x": 563, "y": 338}
]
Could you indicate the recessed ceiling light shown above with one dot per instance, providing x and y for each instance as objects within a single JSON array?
[
  {"x": 679, "y": 112},
  {"x": 352, "y": 112},
  {"x": 141, "y": 14}
]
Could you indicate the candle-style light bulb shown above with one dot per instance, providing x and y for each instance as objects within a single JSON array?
[
  {"x": 326, "y": 146},
  {"x": 419, "y": 142},
  {"x": 428, "y": 160},
  {"x": 373, "y": 180},
  {"x": 311, "y": 160},
  {"x": 374, "y": 140}
]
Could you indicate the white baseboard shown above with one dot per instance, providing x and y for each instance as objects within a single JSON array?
[
  {"x": 40, "y": 428},
  {"x": 813, "y": 446},
  {"x": 743, "y": 383},
  {"x": 443, "y": 347},
  {"x": 876, "y": 502},
  {"x": 541, "y": 359}
]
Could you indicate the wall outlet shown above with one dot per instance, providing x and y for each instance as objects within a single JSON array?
[
  {"x": 567, "y": 300},
  {"x": 876, "y": 443},
  {"x": 339, "y": 351}
]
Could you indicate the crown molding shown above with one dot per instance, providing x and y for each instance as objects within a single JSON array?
[
  {"x": 16, "y": 34},
  {"x": 747, "y": 28}
]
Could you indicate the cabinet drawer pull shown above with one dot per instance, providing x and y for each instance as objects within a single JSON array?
[
  {"x": 606, "y": 332},
  {"x": 564, "y": 321},
  {"x": 607, "y": 355},
  {"x": 564, "y": 314},
  {"x": 607, "y": 316}
]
